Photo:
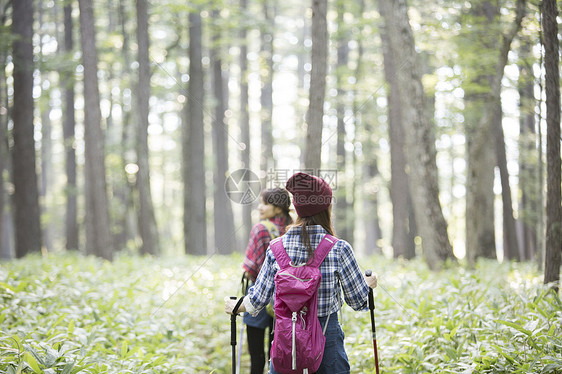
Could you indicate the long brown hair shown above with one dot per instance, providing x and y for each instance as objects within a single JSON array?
[{"x": 324, "y": 219}]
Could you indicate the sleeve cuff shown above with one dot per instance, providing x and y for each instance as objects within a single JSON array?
[{"x": 249, "y": 307}]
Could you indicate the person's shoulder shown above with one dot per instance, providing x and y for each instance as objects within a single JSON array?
[
  {"x": 258, "y": 228},
  {"x": 342, "y": 244},
  {"x": 262, "y": 225}
]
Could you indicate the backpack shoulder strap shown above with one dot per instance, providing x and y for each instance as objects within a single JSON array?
[
  {"x": 280, "y": 253},
  {"x": 323, "y": 249}
]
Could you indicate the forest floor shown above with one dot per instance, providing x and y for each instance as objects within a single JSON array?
[{"x": 68, "y": 313}]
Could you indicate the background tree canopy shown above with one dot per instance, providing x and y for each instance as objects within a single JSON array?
[{"x": 429, "y": 120}]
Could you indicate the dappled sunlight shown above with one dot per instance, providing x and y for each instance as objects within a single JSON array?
[{"x": 519, "y": 279}]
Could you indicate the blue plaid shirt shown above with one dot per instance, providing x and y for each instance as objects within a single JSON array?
[{"x": 340, "y": 271}]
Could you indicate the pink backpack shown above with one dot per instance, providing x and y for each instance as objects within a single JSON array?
[{"x": 298, "y": 342}]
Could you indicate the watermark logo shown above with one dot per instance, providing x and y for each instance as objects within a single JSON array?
[
  {"x": 279, "y": 177},
  {"x": 243, "y": 186}
]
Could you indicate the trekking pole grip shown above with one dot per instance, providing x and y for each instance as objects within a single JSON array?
[
  {"x": 235, "y": 310},
  {"x": 368, "y": 273},
  {"x": 233, "y": 320}
]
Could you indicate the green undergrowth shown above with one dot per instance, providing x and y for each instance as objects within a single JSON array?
[{"x": 67, "y": 313}]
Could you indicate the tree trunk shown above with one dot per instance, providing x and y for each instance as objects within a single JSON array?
[
  {"x": 479, "y": 116},
  {"x": 195, "y": 216},
  {"x": 360, "y": 133},
  {"x": 402, "y": 242},
  {"x": 124, "y": 210},
  {"x": 147, "y": 221},
  {"x": 67, "y": 82},
  {"x": 223, "y": 218},
  {"x": 480, "y": 235},
  {"x": 553, "y": 199},
  {"x": 26, "y": 196},
  {"x": 370, "y": 171},
  {"x": 373, "y": 232},
  {"x": 46, "y": 179},
  {"x": 529, "y": 182},
  {"x": 510, "y": 242},
  {"x": 420, "y": 138},
  {"x": 319, "y": 57},
  {"x": 302, "y": 56},
  {"x": 5, "y": 248},
  {"x": 244, "y": 114},
  {"x": 303, "y": 61},
  {"x": 512, "y": 249},
  {"x": 5, "y": 216},
  {"x": 4, "y": 252},
  {"x": 342, "y": 206},
  {"x": 98, "y": 233},
  {"x": 266, "y": 161}
]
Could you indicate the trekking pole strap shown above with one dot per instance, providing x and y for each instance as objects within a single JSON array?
[{"x": 244, "y": 283}]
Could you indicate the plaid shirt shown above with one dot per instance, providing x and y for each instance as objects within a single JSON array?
[
  {"x": 258, "y": 244},
  {"x": 340, "y": 271}
]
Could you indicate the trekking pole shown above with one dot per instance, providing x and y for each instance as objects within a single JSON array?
[
  {"x": 245, "y": 283},
  {"x": 233, "y": 331},
  {"x": 368, "y": 273}
]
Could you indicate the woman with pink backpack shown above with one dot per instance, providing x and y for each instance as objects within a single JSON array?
[
  {"x": 274, "y": 214},
  {"x": 340, "y": 273}
]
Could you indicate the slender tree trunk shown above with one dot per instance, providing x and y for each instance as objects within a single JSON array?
[
  {"x": 113, "y": 145},
  {"x": 98, "y": 233},
  {"x": 266, "y": 99},
  {"x": 223, "y": 218},
  {"x": 342, "y": 205},
  {"x": 26, "y": 196},
  {"x": 370, "y": 171},
  {"x": 303, "y": 76},
  {"x": 302, "y": 55},
  {"x": 193, "y": 140},
  {"x": 147, "y": 221},
  {"x": 510, "y": 242},
  {"x": 402, "y": 242},
  {"x": 4, "y": 254},
  {"x": 46, "y": 180},
  {"x": 5, "y": 232},
  {"x": 67, "y": 82},
  {"x": 420, "y": 138},
  {"x": 541, "y": 195},
  {"x": 373, "y": 232},
  {"x": 319, "y": 57},
  {"x": 125, "y": 212},
  {"x": 244, "y": 114},
  {"x": 528, "y": 176},
  {"x": 121, "y": 136},
  {"x": 553, "y": 199},
  {"x": 360, "y": 133},
  {"x": 122, "y": 133}
]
